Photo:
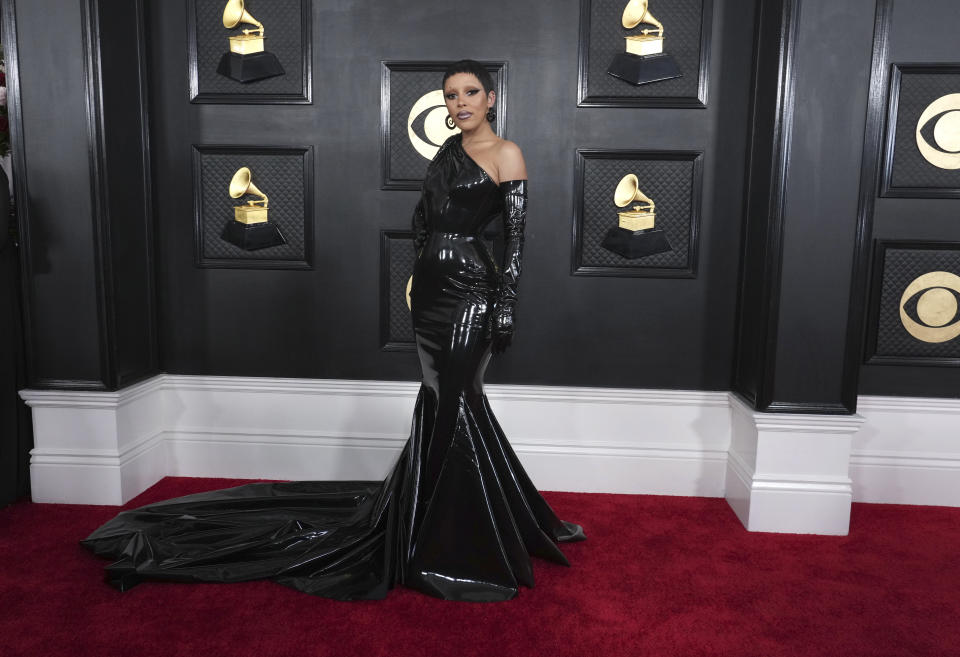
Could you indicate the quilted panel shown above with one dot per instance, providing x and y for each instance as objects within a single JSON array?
[
  {"x": 668, "y": 182},
  {"x": 900, "y": 268},
  {"x": 909, "y": 168},
  {"x": 400, "y": 256},
  {"x": 280, "y": 177},
  {"x": 282, "y": 27},
  {"x": 682, "y": 22}
]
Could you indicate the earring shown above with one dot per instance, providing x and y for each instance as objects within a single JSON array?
[
  {"x": 491, "y": 115},
  {"x": 450, "y": 123}
]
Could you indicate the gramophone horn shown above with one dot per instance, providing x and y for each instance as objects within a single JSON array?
[
  {"x": 625, "y": 193},
  {"x": 635, "y": 13},
  {"x": 240, "y": 182},
  {"x": 234, "y": 14}
]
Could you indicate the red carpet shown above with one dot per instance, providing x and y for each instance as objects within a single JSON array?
[{"x": 657, "y": 576}]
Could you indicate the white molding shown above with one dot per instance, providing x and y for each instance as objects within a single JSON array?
[
  {"x": 569, "y": 438},
  {"x": 106, "y": 447},
  {"x": 789, "y": 472},
  {"x": 908, "y": 451},
  {"x": 96, "y": 447},
  {"x": 91, "y": 399},
  {"x": 866, "y": 404}
]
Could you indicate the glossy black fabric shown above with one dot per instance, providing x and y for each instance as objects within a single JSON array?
[{"x": 457, "y": 518}]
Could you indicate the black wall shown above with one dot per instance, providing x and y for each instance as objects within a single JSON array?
[
  {"x": 771, "y": 114},
  {"x": 919, "y": 31},
  {"x": 634, "y": 332},
  {"x": 82, "y": 174},
  {"x": 803, "y": 281},
  {"x": 123, "y": 194},
  {"x": 15, "y": 429},
  {"x": 60, "y": 250},
  {"x": 107, "y": 201}
]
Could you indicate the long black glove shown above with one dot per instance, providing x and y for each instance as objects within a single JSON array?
[
  {"x": 420, "y": 232},
  {"x": 514, "y": 218}
]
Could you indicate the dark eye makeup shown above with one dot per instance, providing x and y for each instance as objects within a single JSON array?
[{"x": 470, "y": 92}]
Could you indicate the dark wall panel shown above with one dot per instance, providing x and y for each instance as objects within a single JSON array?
[
  {"x": 919, "y": 31},
  {"x": 820, "y": 216},
  {"x": 59, "y": 242},
  {"x": 83, "y": 181},
  {"x": 767, "y": 138},
  {"x": 125, "y": 176},
  {"x": 325, "y": 322}
]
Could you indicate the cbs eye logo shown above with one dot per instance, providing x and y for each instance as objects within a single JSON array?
[
  {"x": 930, "y": 307},
  {"x": 938, "y": 132},
  {"x": 426, "y": 124}
]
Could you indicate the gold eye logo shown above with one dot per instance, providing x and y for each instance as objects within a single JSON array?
[
  {"x": 930, "y": 307},
  {"x": 426, "y": 124},
  {"x": 938, "y": 132}
]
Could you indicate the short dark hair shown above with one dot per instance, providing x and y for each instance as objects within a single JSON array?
[{"x": 474, "y": 68}]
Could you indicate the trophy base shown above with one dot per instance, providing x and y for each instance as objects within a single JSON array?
[
  {"x": 251, "y": 237},
  {"x": 636, "y": 244},
  {"x": 637, "y": 69},
  {"x": 247, "y": 68}
]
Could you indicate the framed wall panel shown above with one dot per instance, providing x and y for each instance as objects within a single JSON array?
[
  {"x": 397, "y": 257},
  {"x": 411, "y": 118},
  {"x": 687, "y": 26},
  {"x": 922, "y": 150},
  {"x": 284, "y": 174},
  {"x": 672, "y": 179},
  {"x": 287, "y": 35},
  {"x": 914, "y": 314}
]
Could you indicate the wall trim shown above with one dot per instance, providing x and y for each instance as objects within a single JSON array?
[
  {"x": 922, "y": 404},
  {"x": 91, "y": 399},
  {"x": 106, "y": 447},
  {"x": 908, "y": 451},
  {"x": 774, "y": 204},
  {"x": 149, "y": 210},
  {"x": 858, "y": 323},
  {"x": 99, "y": 190},
  {"x": 671, "y": 442},
  {"x": 116, "y": 457},
  {"x": 776, "y": 207},
  {"x": 790, "y": 473}
]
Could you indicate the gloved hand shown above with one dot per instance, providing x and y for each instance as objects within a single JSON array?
[
  {"x": 501, "y": 327},
  {"x": 514, "y": 219}
]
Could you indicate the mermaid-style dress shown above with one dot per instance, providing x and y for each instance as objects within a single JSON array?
[{"x": 456, "y": 518}]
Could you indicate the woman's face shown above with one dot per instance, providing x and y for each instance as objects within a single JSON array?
[{"x": 466, "y": 102}]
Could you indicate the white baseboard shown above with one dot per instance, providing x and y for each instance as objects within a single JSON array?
[
  {"x": 789, "y": 472},
  {"x": 96, "y": 447},
  {"x": 907, "y": 452},
  {"x": 105, "y": 448},
  {"x": 574, "y": 439}
]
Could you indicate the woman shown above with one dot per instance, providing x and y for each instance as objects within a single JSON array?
[{"x": 457, "y": 517}]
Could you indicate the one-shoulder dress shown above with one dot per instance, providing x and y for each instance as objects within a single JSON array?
[{"x": 456, "y": 518}]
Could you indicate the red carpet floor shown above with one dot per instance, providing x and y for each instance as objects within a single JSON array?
[{"x": 657, "y": 576}]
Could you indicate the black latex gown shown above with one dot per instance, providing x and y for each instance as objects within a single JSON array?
[{"x": 457, "y": 517}]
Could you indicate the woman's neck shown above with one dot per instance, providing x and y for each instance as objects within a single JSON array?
[{"x": 482, "y": 132}]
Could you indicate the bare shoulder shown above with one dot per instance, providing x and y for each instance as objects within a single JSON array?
[
  {"x": 510, "y": 164},
  {"x": 508, "y": 151}
]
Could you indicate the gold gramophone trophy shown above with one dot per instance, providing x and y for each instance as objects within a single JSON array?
[
  {"x": 644, "y": 60},
  {"x": 250, "y": 228},
  {"x": 247, "y": 60},
  {"x": 635, "y": 235}
]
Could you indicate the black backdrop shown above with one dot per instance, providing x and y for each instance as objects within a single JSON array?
[
  {"x": 918, "y": 32},
  {"x": 636, "y": 332},
  {"x": 100, "y": 76}
]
